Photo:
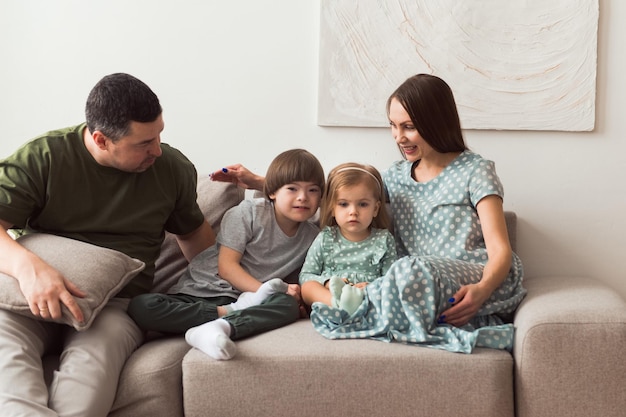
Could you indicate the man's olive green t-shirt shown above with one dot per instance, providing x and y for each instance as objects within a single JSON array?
[{"x": 53, "y": 185}]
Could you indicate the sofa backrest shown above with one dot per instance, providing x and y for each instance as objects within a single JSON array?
[
  {"x": 214, "y": 199},
  {"x": 511, "y": 226},
  {"x": 509, "y": 216}
]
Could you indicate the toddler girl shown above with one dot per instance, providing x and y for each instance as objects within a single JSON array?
[{"x": 355, "y": 247}]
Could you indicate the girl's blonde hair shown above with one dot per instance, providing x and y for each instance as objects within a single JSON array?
[{"x": 347, "y": 175}]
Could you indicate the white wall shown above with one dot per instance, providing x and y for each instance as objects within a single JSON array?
[{"x": 238, "y": 82}]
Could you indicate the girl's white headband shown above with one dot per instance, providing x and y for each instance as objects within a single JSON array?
[{"x": 362, "y": 170}]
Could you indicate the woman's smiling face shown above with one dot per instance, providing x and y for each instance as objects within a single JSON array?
[{"x": 411, "y": 143}]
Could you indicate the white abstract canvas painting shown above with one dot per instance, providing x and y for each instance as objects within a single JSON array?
[{"x": 512, "y": 65}]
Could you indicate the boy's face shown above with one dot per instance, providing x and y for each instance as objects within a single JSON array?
[{"x": 296, "y": 202}]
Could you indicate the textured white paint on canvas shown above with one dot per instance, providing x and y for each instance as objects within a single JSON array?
[{"x": 514, "y": 64}]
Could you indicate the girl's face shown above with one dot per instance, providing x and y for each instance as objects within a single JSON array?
[
  {"x": 295, "y": 203},
  {"x": 412, "y": 145},
  {"x": 355, "y": 208}
]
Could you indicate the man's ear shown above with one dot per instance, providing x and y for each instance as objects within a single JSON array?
[{"x": 100, "y": 140}]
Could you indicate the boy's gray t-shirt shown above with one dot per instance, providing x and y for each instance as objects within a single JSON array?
[{"x": 250, "y": 229}]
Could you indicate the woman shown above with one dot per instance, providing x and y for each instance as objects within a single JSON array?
[{"x": 456, "y": 277}]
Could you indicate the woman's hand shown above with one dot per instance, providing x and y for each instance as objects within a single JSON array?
[
  {"x": 470, "y": 298},
  {"x": 239, "y": 175},
  {"x": 467, "y": 301}
]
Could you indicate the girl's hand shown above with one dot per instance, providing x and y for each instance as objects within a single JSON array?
[
  {"x": 356, "y": 284},
  {"x": 467, "y": 301}
]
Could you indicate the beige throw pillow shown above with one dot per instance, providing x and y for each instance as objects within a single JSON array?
[{"x": 99, "y": 272}]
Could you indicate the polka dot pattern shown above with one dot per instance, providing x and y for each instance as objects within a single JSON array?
[
  {"x": 439, "y": 237},
  {"x": 332, "y": 255}
]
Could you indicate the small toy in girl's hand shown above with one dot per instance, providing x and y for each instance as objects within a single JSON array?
[
  {"x": 351, "y": 298},
  {"x": 345, "y": 295}
]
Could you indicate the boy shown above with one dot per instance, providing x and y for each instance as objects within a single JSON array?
[{"x": 235, "y": 288}]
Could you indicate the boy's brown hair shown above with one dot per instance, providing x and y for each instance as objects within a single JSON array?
[{"x": 292, "y": 166}]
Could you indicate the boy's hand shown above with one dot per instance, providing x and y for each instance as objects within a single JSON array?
[{"x": 294, "y": 291}]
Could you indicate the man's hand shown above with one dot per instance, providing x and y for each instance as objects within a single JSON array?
[{"x": 45, "y": 290}]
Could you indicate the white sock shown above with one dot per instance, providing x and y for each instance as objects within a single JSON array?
[
  {"x": 213, "y": 338},
  {"x": 249, "y": 299}
]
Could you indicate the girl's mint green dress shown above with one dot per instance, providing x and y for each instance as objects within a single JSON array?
[
  {"x": 440, "y": 247},
  {"x": 332, "y": 255}
]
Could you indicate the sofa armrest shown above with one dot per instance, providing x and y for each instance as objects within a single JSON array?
[{"x": 569, "y": 349}]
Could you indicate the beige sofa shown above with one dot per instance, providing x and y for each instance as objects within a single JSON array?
[{"x": 568, "y": 361}]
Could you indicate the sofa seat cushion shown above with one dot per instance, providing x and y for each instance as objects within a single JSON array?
[
  {"x": 295, "y": 371},
  {"x": 150, "y": 383}
]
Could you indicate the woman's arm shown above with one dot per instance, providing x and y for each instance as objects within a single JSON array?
[
  {"x": 470, "y": 298},
  {"x": 239, "y": 175},
  {"x": 499, "y": 252}
]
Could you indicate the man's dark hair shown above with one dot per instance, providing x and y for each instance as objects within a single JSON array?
[{"x": 118, "y": 99}]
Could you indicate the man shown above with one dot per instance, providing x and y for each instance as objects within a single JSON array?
[{"x": 109, "y": 182}]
